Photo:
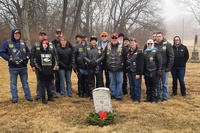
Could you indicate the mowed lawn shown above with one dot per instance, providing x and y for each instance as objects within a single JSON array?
[{"x": 68, "y": 114}]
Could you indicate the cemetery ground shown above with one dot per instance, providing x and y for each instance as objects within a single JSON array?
[{"x": 179, "y": 114}]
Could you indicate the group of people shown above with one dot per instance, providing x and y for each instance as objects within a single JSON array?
[{"x": 116, "y": 58}]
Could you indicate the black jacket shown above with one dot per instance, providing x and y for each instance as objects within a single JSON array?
[
  {"x": 15, "y": 52},
  {"x": 65, "y": 57},
  {"x": 167, "y": 54},
  {"x": 181, "y": 55},
  {"x": 79, "y": 54},
  {"x": 45, "y": 61},
  {"x": 36, "y": 48},
  {"x": 115, "y": 57},
  {"x": 152, "y": 60},
  {"x": 56, "y": 43},
  {"x": 94, "y": 57},
  {"x": 135, "y": 61}
]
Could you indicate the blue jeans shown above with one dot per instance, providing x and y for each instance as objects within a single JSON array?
[
  {"x": 135, "y": 86},
  {"x": 65, "y": 76},
  {"x": 116, "y": 81},
  {"x": 178, "y": 74},
  {"x": 162, "y": 91},
  {"x": 22, "y": 72}
]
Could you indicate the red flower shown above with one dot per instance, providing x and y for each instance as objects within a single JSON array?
[{"x": 102, "y": 115}]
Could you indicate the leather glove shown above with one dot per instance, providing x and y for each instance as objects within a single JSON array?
[{"x": 159, "y": 73}]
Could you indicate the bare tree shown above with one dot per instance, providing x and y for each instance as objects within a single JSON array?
[
  {"x": 194, "y": 8},
  {"x": 77, "y": 19},
  {"x": 64, "y": 13},
  {"x": 88, "y": 17}
]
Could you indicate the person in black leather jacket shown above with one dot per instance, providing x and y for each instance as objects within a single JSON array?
[
  {"x": 167, "y": 54},
  {"x": 81, "y": 68},
  {"x": 152, "y": 70},
  {"x": 94, "y": 59},
  {"x": 115, "y": 56}
]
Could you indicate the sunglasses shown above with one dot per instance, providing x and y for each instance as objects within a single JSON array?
[
  {"x": 176, "y": 40},
  {"x": 114, "y": 37},
  {"x": 149, "y": 43},
  {"x": 103, "y": 36}
]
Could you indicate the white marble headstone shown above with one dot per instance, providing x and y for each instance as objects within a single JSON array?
[{"x": 102, "y": 100}]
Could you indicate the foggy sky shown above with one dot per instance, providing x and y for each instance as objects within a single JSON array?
[{"x": 178, "y": 19}]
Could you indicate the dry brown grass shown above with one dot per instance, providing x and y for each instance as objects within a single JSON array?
[{"x": 67, "y": 114}]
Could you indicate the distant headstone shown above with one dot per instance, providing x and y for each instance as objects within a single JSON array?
[
  {"x": 102, "y": 100},
  {"x": 195, "y": 53}
]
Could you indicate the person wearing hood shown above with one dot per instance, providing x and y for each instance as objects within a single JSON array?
[
  {"x": 134, "y": 68},
  {"x": 103, "y": 43},
  {"x": 152, "y": 70},
  {"x": 181, "y": 56},
  {"x": 45, "y": 63},
  {"x": 115, "y": 56},
  {"x": 16, "y": 53},
  {"x": 153, "y": 38},
  {"x": 167, "y": 53}
]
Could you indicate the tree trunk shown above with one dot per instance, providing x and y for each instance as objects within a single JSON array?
[
  {"x": 64, "y": 13},
  {"x": 25, "y": 25},
  {"x": 76, "y": 19}
]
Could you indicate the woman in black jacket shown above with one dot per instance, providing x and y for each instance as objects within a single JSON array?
[
  {"x": 134, "y": 66},
  {"x": 45, "y": 63},
  {"x": 65, "y": 57},
  {"x": 181, "y": 56}
]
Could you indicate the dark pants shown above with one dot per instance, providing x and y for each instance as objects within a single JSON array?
[
  {"x": 83, "y": 86},
  {"x": 46, "y": 85},
  {"x": 38, "y": 89},
  {"x": 178, "y": 74},
  {"x": 135, "y": 86},
  {"x": 95, "y": 77},
  {"x": 151, "y": 81},
  {"x": 125, "y": 84}
]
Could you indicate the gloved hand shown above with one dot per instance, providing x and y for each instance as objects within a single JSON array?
[
  {"x": 159, "y": 73},
  {"x": 93, "y": 63}
]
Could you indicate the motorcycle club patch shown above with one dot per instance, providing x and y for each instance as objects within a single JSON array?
[
  {"x": 164, "y": 48},
  {"x": 24, "y": 50},
  {"x": 151, "y": 59},
  {"x": 88, "y": 48},
  {"x": 11, "y": 46},
  {"x": 80, "y": 50},
  {"x": 51, "y": 46},
  {"x": 119, "y": 49},
  {"x": 46, "y": 59},
  {"x": 37, "y": 48},
  {"x": 153, "y": 51}
]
